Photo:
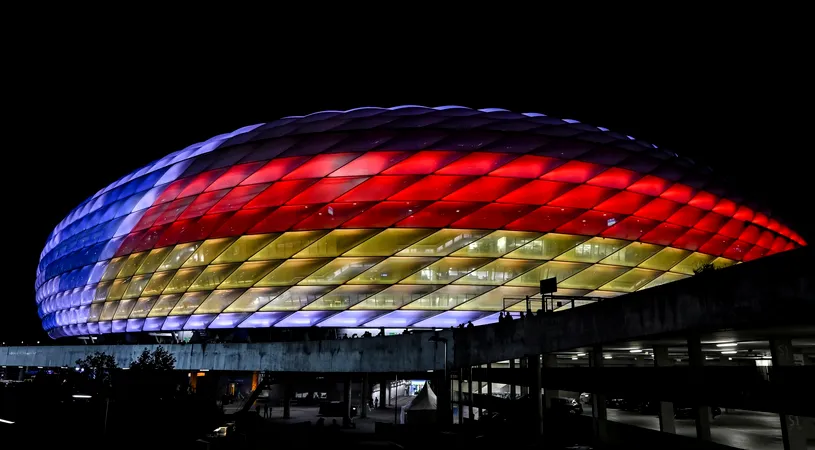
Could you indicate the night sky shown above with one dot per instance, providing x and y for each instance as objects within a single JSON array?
[{"x": 82, "y": 124}]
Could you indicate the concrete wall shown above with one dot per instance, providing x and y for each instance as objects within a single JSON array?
[
  {"x": 379, "y": 354},
  {"x": 775, "y": 291}
]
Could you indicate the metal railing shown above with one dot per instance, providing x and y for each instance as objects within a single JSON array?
[{"x": 549, "y": 303}]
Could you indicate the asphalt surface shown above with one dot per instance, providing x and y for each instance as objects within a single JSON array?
[
  {"x": 748, "y": 430},
  {"x": 736, "y": 428}
]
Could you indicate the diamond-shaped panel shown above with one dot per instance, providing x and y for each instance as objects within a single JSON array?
[{"x": 397, "y": 212}]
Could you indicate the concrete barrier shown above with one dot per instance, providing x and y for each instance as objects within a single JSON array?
[{"x": 378, "y": 354}]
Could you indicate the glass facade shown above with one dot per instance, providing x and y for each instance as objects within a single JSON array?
[{"x": 372, "y": 217}]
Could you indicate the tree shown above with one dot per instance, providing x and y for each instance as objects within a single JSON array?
[
  {"x": 97, "y": 369},
  {"x": 152, "y": 376},
  {"x": 158, "y": 360},
  {"x": 705, "y": 268}
]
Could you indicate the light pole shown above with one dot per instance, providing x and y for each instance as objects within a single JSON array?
[
  {"x": 436, "y": 339},
  {"x": 396, "y": 400},
  {"x": 449, "y": 394}
]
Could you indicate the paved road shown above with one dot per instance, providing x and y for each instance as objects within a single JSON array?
[
  {"x": 736, "y": 428},
  {"x": 741, "y": 429},
  {"x": 310, "y": 413}
]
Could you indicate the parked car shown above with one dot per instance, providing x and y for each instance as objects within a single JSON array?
[
  {"x": 630, "y": 404},
  {"x": 614, "y": 402},
  {"x": 650, "y": 407},
  {"x": 566, "y": 406},
  {"x": 686, "y": 412}
]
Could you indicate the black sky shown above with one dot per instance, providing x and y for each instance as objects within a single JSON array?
[{"x": 82, "y": 121}]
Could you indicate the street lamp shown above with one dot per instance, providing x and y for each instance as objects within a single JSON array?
[{"x": 436, "y": 339}]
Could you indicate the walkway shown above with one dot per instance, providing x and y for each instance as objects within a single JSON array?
[{"x": 310, "y": 414}]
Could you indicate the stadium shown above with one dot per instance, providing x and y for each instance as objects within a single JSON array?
[{"x": 389, "y": 218}]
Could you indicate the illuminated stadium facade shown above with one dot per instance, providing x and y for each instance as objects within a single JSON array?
[{"x": 399, "y": 217}]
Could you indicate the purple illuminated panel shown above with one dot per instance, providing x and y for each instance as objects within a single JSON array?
[
  {"x": 199, "y": 321},
  {"x": 399, "y": 319},
  {"x": 83, "y": 329},
  {"x": 105, "y": 327},
  {"x": 93, "y": 328},
  {"x": 134, "y": 325},
  {"x": 493, "y": 318},
  {"x": 84, "y": 311},
  {"x": 298, "y": 174},
  {"x": 119, "y": 326},
  {"x": 228, "y": 320},
  {"x": 349, "y": 319},
  {"x": 303, "y": 319},
  {"x": 449, "y": 319},
  {"x": 262, "y": 319},
  {"x": 153, "y": 323},
  {"x": 174, "y": 323}
]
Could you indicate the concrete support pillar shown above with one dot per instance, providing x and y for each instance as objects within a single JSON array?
[
  {"x": 537, "y": 385},
  {"x": 792, "y": 430},
  {"x": 442, "y": 388},
  {"x": 480, "y": 388},
  {"x": 287, "y": 401},
  {"x": 346, "y": 398},
  {"x": 512, "y": 390},
  {"x": 549, "y": 362},
  {"x": 365, "y": 397},
  {"x": 702, "y": 414},
  {"x": 383, "y": 394},
  {"x": 524, "y": 366},
  {"x": 667, "y": 423},
  {"x": 255, "y": 380},
  {"x": 193, "y": 381},
  {"x": 598, "y": 408},
  {"x": 21, "y": 373},
  {"x": 460, "y": 397},
  {"x": 489, "y": 379},
  {"x": 470, "y": 393}
]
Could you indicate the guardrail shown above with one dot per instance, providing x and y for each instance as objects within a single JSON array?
[{"x": 549, "y": 303}]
